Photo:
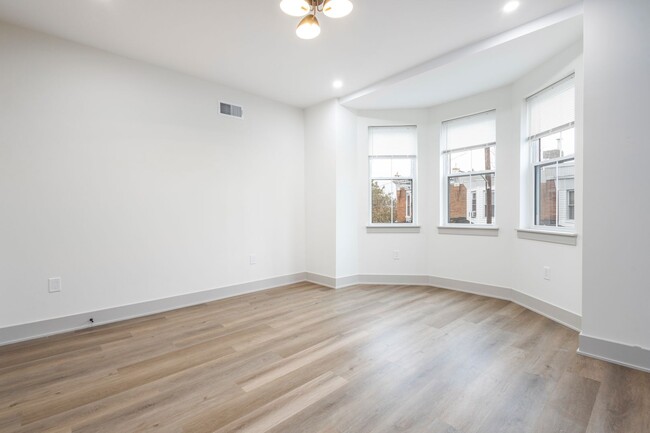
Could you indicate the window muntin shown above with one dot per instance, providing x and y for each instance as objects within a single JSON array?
[
  {"x": 551, "y": 138},
  {"x": 392, "y": 166},
  {"x": 468, "y": 147}
]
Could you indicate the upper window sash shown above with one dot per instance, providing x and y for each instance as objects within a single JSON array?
[
  {"x": 473, "y": 147},
  {"x": 470, "y": 173},
  {"x": 554, "y": 161},
  {"x": 552, "y": 131},
  {"x": 552, "y": 109},
  {"x": 392, "y": 156}
]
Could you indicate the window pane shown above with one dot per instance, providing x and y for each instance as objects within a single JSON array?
[
  {"x": 484, "y": 159},
  {"x": 553, "y": 183},
  {"x": 471, "y": 199},
  {"x": 392, "y": 201},
  {"x": 465, "y": 161},
  {"x": 402, "y": 167},
  {"x": 459, "y": 200},
  {"x": 556, "y": 145},
  {"x": 382, "y": 201},
  {"x": 483, "y": 187},
  {"x": 381, "y": 167},
  {"x": 393, "y": 140},
  {"x": 391, "y": 167},
  {"x": 403, "y": 201},
  {"x": 460, "y": 162}
]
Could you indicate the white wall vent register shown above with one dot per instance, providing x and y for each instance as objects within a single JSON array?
[{"x": 231, "y": 110}]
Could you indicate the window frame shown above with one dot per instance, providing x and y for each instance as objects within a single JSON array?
[
  {"x": 537, "y": 163},
  {"x": 447, "y": 174},
  {"x": 412, "y": 196}
]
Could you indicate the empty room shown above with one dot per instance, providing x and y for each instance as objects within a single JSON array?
[{"x": 324, "y": 216}]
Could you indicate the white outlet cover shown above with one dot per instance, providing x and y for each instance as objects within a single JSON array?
[
  {"x": 54, "y": 284},
  {"x": 253, "y": 259}
]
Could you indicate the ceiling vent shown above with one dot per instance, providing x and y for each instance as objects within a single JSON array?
[{"x": 231, "y": 110}]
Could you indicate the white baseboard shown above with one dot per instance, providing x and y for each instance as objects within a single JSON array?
[
  {"x": 323, "y": 280},
  {"x": 332, "y": 282},
  {"x": 628, "y": 356},
  {"x": 412, "y": 280},
  {"x": 351, "y": 280},
  {"x": 469, "y": 287},
  {"x": 44, "y": 328},
  {"x": 553, "y": 312},
  {"x": 546, "y": 309}
]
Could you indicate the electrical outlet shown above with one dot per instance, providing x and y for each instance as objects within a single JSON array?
[
  {"x": 253, "y": 259},
  {"x": 396, "y": 255},
  {"x": 547, "y": 273},
  {"x": 54, "y": 284}
]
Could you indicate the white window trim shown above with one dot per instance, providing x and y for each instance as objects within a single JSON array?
[
  {"x": 552, "y": 236},
  {"x": 535, "y": 231},
  {"x": 469, "y": 230},
  {"x": 394, "y": 227},
  {"x": 456, "y": 228}
]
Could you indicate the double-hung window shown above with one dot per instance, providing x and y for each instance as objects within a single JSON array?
[
  {"x": 392, "y": 165},
  {"x": 468, "y": 154},
  {"x": 551, "y": 140}
]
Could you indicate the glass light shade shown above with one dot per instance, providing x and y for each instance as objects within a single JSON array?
[
  {"x": 308, "y": 28},
  {"x": 295, "y": 8},
  {"x": 337, "y": 8}
]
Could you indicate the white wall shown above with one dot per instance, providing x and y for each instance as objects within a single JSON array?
[
  {"x": 376, "y": 249},
  {"x": 124, "y": 179},
  {"x": 616, "y": 299},
  {"x": 320, "y": 188},
  {"x": 330, "y": 170},
  {"x": 503, "y": 261},
  {"x": 478, "y": 259},
  {"x": 347, "y": 198},
  {"x": 530, "y": 257}
]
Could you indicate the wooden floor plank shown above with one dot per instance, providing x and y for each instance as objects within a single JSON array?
[{"x": 304, "y": 358}]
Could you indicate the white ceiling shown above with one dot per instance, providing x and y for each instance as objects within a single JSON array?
[
  {"x": 251, "y": 44},
  {"x": 476, "y": 72}
]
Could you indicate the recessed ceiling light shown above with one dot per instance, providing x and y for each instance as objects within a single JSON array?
[
  {"x": 510, "y": 6},
  {"x": 337, "y": 84}
]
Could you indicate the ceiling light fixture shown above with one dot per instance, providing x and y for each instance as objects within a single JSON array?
[
  {"x": 309, "y": 28},
  {"x": 337, "y": 84},
  {"x": 510, "y": 6}
]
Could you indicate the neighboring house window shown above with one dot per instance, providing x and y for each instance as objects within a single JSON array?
[
  {"x": 551, "y": 138},
  {"x": 473, "y": 215},
  {"x": 392, "y": 164},
  {"x": 468, "y": 147},
  {"x": 571, "y": 204}
]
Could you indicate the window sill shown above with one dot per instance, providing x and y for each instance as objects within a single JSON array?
[
  {"x": 469, "y": 230},
  {"x": 556, "y": 237},
  {"x": 393, "y": 228}
]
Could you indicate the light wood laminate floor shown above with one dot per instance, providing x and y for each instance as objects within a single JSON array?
[{"x": 304, "y": 358}]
